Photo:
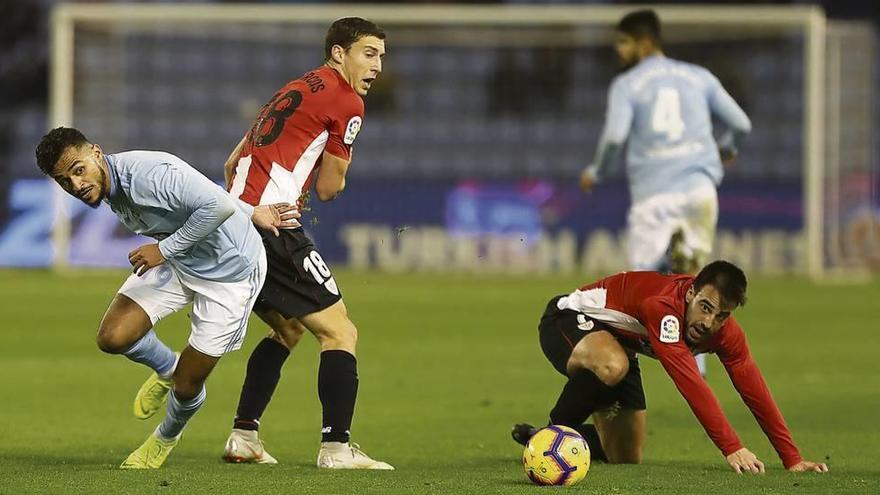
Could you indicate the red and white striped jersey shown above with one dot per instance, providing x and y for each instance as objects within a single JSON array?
[
  {"x": 646, "y": 312},
  {"x": 317, "y": 112}
]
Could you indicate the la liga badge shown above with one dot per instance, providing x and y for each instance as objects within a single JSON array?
[
  {"x": 352, "y": 130},
  {"x": 669, "y": 329}
]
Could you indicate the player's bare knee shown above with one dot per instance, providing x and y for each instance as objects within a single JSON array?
[
  {"x": 352, "y": 334},
  {"x": 185, "y": 388},
  {"x": 576, "y": 364},
  {"x": 581, "y": 358},
  {"x": 112, "y": 340},
  {"x": 612, "y": 370},
  {"x": 600, "y": 353},
  {"x": 185, "y": 393},
  {"x": 342, "y": 337}
]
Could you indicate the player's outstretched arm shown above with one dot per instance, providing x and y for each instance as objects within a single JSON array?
[
  {"x": 744, "y": 461},
  {"x": 809, "y": 467},
  {"x": 749, "y": 382}
]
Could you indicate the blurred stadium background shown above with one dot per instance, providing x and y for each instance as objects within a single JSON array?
[{"x": 474, "y": 135}]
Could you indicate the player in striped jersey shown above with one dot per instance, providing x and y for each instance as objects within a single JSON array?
[
  {"x": 303, "y": 137},
  {"x": 593, "y": 335}
]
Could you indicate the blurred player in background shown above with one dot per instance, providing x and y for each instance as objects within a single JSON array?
[
  {"x": 207, "y": 254},
  {"x": 304, "y": 135},
  {"x": 662, "y": 110},
  {"x": 593, "y": 334}
]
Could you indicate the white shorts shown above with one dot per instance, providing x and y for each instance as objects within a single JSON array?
[
  {"x": 220, "y": 310},
  {"x": 653, "y": 221}
]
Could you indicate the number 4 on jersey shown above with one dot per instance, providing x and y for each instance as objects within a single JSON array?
[
  {"x": 316, "y": 267},
  {"x": 666, "y": 114}
]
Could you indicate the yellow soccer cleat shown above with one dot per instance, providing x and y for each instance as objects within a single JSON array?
[
  {"x": 151, "y": 397},
  {"x": 151, "y": 454}
]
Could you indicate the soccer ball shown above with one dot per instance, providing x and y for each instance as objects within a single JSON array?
[{"x": 556, "y": 455}]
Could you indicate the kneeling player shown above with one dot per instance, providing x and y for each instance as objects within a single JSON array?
[
  {"x": 593, "y": 335},
  {"x": 208, "y": 254}
]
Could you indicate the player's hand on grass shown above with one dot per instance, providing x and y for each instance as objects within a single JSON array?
[
  {"x": 743, "y": 461},
  {"x": 587, "y": 182},
  {"x": 275, "y": 216},
  {"x": 809, "y": 467},
  {"x": 145, "y": 257}
]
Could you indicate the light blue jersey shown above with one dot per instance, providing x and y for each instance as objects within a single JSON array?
[
  {"x": 202, "y": 230},
  {"x": 662, "y": 109}
]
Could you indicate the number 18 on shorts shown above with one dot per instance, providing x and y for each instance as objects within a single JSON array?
[{"x": 298, "y": 282}]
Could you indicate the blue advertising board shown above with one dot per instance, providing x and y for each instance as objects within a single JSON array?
[{"x": 528, "y": 226}]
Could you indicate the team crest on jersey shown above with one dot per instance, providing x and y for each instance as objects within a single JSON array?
[
  {"x": 669, "y": 330},
  {"x": 585, "y": 324},
  {"x": 352, "y": 130}
]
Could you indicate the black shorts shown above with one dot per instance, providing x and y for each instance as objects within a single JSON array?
[
  {"x": 558, "y": 332},
  {"x": 298, "y": 282}
]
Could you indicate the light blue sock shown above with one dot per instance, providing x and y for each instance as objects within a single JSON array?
[
  {"x": 178, "y": 412},
  {"x": 151, "y": 351}
]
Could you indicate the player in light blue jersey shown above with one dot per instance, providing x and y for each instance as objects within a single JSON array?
[
  {"x": 207, "y": 254},
  {"x": 661, "y": 109}
]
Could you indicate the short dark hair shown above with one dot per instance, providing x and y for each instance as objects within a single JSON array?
[
  {"x": 346, "y": 31},
  {"x": 54, "y": 143},
  {"x": 727, "y": 278},
  {"x": 641, "y": 24}
]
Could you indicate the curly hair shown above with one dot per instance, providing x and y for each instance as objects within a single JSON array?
[{"x": 53, "y": 145}]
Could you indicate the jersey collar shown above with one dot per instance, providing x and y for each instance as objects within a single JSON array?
[
  {"x": 110, "y": 160},
  {"x": 341, "y": 80}
]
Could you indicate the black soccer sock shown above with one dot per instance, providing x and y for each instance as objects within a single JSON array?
[
  {"x": 263, "y": 373},
  {"x": 588, "y": 431},
  {"x": 582, "y": 395},
  {"x": 337, "y": 389}
]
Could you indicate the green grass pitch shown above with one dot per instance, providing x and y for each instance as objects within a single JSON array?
[{"x": 447, "y": 364}]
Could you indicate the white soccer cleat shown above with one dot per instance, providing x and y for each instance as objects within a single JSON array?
[
  {"x": 246, "y": 446},
  {"x": 338, "y": 455}
]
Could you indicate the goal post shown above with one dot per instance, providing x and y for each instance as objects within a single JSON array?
[
  {"x": 588, "y": 25},
  {"x": 851, "y": 168}
]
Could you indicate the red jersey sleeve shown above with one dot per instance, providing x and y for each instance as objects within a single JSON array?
[
  {"x": 733, "y": 351},
  {"x": 346, "y": 119},
  {"x": 666, "y": 334}
]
